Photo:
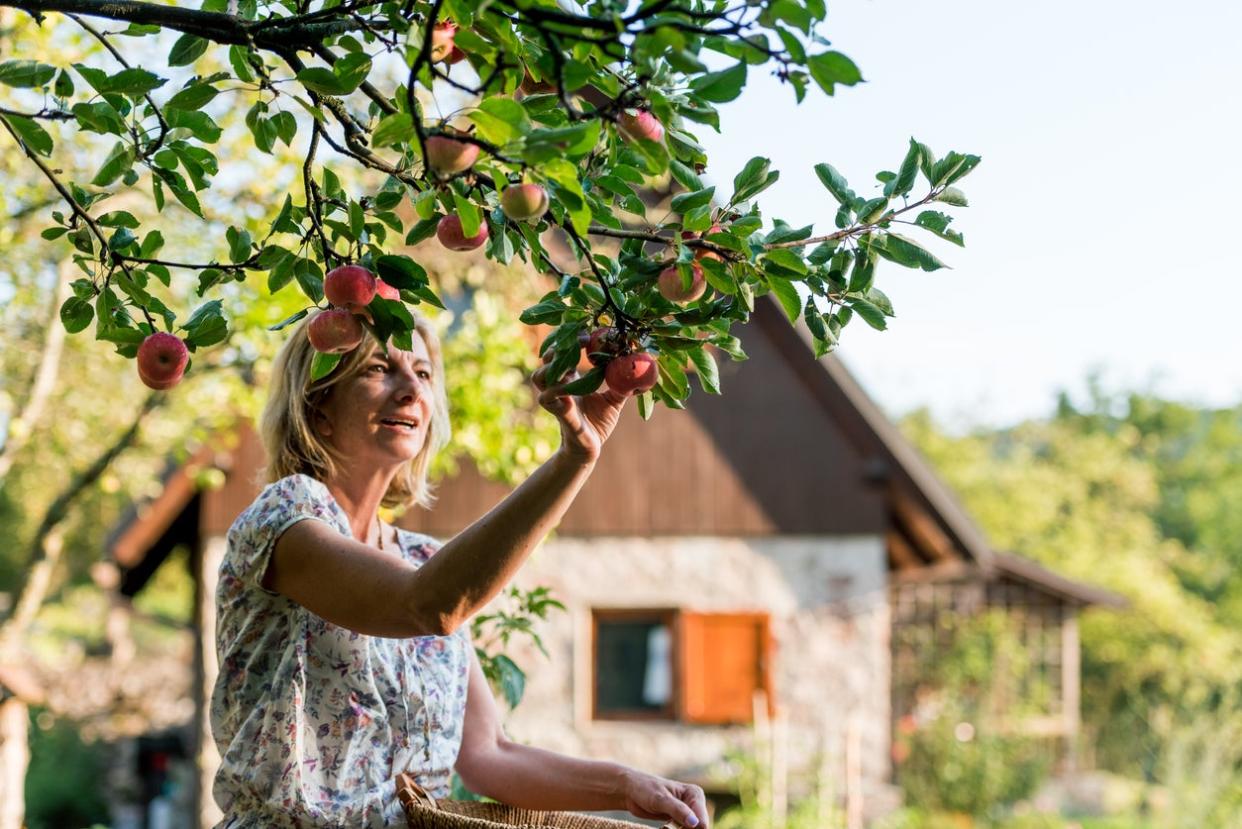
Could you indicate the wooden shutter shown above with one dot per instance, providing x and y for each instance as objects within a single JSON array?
[{"x": 725, "y": 658}]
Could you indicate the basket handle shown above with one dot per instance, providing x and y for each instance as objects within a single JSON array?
[{"x": 411, "y": 794}]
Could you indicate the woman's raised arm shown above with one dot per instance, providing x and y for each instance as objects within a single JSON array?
[{"x": 358, "y": 587}]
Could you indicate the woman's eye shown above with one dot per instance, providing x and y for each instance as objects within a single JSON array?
[
  {"x": 379, "y": 366},
  {"x": 426, "y": 375}
]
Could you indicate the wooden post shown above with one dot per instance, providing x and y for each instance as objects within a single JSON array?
[
  {"x": 1071, "y": 685},
  {"x": 780, "y": 769},
  {"x": 853, "y": 773},
  {"x": 14, "y": 759}
]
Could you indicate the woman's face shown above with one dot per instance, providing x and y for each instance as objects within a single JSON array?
[{"x": 381, "y": 417}]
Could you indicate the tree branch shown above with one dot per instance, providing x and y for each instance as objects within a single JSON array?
[
  {"x": 213, "y": 26},
  {"x": 42, "y": 555},
  {"x": 21, "y": 427}
]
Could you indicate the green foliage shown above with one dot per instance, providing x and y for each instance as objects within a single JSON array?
[
  {"x": 65, "y": 778},
  {"x": 517, "y": 616},
  {"x": 341, "y": 98},
  {"x": 950, "y": 754},
  {"x": 1131, "y": 493}
]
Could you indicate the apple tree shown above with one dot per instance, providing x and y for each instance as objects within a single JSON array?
[{"x": 526, "y": 128}]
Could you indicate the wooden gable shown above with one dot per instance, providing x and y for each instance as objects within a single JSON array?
[{"x": 764, "y": 458}]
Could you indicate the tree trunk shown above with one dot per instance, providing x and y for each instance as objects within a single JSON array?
[{"x": 14, "y": 758}]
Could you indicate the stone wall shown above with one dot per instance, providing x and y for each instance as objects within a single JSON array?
[{"x": 827, "y": 599}]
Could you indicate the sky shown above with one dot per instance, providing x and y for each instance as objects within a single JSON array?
[{"x": 1101, "y": 236}]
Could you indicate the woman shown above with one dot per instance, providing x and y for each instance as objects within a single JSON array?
[{"x": 344, "y": 650}]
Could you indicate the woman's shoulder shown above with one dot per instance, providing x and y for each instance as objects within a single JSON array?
[{"x": 294, "y": 494}]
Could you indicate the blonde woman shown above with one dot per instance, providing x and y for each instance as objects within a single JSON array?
[{"x": 343, "y": 642}]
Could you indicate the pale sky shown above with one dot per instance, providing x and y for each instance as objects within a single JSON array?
[{"x": 1101, "y": 232}]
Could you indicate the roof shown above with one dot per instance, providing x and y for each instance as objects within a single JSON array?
[
  {"x": 901, "y": 460},
  {"x": 1024, "y": 569}
]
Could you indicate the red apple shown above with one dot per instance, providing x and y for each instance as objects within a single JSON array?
[
  {"x": 704, "y": 253},
  {"x": 334, "y": 331},
  {"x": 450, "y": 234},
  {"x": 524, "y": 202},
  {"x": 642, "y": 124},
  {"x": 449, "y": 156},
  {"x": 162, "y": 358},
  {"x": 442, "y": 44},
  {"x": 632, "y": 373},
  {"x": 349, "y": 286},
  {"x": 602, "y": 344},
  {"x": 385, "y": 290},
  {"x": 673, "y": 289}
]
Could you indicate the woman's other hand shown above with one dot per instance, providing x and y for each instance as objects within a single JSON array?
[
  {"x": 655, "y": 798},
  {"x": 586, "y": 421}
]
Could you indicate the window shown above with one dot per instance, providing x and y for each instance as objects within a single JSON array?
[{"x": 678, "y": 665}]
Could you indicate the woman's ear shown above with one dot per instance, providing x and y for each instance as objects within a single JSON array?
[{"x": 321, "y": 423}]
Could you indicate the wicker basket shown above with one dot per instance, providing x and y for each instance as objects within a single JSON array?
[{"x": 425, "y": 812}]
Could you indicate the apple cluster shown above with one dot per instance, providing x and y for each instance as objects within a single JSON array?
[
  {"x": 625, "y": 370},
  {"x": 349, "y": 289}
]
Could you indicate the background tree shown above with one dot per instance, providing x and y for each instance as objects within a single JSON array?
[{"x": 1130, "y": 492}]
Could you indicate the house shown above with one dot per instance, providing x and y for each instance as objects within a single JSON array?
[{"x": 774, "y": 552}]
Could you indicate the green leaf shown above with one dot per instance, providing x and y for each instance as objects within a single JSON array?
[
  {"x": 76, "y": 314},
  {"x": 118, "y": 161},
  {"x": 684, "y": 202},
  {"x": 785, "y": 260},
  {"x": 286, "y": 126},
  {"x": 200, "y": 124},
  {"x": 872, "y": 315},
  {"x": 904, "y": 182},
  {"x": 25, "y": 74},
  {"x": 510, "y": 679},
  {"x": 548, "y": 312},
  {"x": 401, "y": 272},
  {"x": 397, "y": 128},
  {"x": 239, "y": 244},
  {"x": 646, "y": 406},
  {"x": 588, "y": 383},
  {"x": 720, "y": 87},
  {"x": 187, "y": 49},
  {"x": 709, "y": 374},
  {"x": 686, "y": 177},
  {"x": 953, "y": 196},
  {"x": 500, "y": 119},
  {"x": 352, "y": 70},
  {"x": 787, "y": 295},
  {"x": 906, "y": 252},
  {"x": 133, "y": 81},
  {"x": 64, "y": 84},
  {"x": 938, "y": 223},
  {"x": 285, "y": 323},
  {"x": 757, "y": 187},
  {"x": 195, "y": 96},
  {"x": 871, "y": 210},
  {"x": 32, "y": 135},
  {"x": 469, "y": 214},
  {"x": 832, "y": 68},
  {"x": 318, "y": 79},
  {"x": 753, "y": 172},
  {"x": 322, "y": 365},
  {"x": 241, "y": 68},
  {"x": 310, "y": 278}
]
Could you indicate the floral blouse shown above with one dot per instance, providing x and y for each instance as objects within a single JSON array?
[{"x": 313, "y": 721}]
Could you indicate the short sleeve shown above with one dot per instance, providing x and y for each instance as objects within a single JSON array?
[
  {"x": 418, "y": 547},
  {"x": 279, "y": 506}
]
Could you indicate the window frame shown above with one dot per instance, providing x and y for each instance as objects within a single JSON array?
[{"x": 668, "y": 616}]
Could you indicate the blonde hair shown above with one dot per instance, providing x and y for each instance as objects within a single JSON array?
[{"x": 287, "y": 426}]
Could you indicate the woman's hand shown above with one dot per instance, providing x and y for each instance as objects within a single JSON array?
[
  {"x": 586, "y": 421},
  {"x": 655, "y": 798}
]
